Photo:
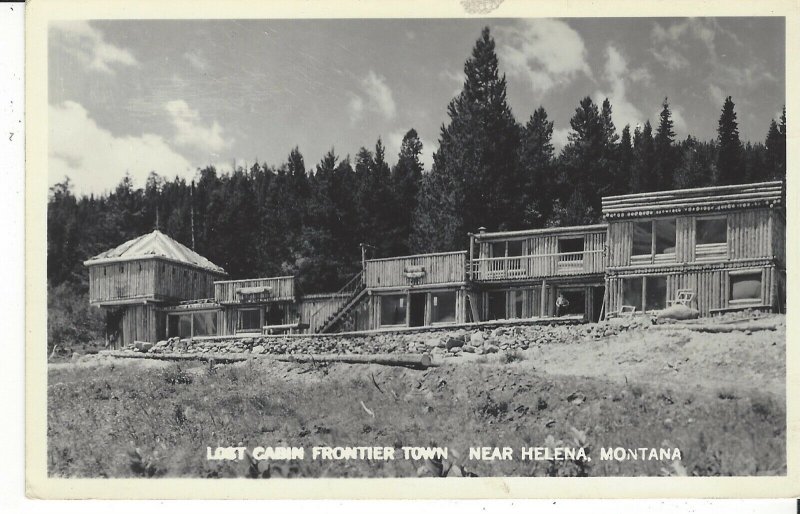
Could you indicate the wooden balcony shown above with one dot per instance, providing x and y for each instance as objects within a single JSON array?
[
  {"x": 417, "y": 270},
  {"x": 255, "y": 290},
  {"x": 537, "y": 266}
]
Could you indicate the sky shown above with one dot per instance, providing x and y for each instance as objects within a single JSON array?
[{"x": 135, "y": 96}]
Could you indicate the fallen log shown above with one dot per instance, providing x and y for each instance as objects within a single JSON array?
[
  {"x": 410, "y": 360},
  {"x": 714, "y": 329},
  {"x": 413, "y": 360}
]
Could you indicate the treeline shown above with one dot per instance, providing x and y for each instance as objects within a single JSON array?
[{"x": 489, "y": 170}]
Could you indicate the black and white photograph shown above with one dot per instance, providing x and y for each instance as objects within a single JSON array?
[{"x": 414, "y": 247}]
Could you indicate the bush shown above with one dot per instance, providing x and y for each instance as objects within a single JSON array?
[{"x": 71, "y": 320}]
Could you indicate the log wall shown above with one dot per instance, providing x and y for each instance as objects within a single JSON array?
[
  {"x": 315, "y": 309},
  {"x": 711, "y": 287},
  {"x": 151, "y": 279},
  {"x": 282, "y": 289},
  {"x": 750, "y": 236},
  {"x": 440, "y": 268}
]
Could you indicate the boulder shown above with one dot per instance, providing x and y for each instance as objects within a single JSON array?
[
  {"x": 454, "y": 342},
  {"x": 678, "y": 312},
  {"x": 476, "y": 339},
  {"x": 258, "y": 349}
]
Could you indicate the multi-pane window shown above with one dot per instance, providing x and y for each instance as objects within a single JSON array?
[
  {"x": 393, "y": 309},
  {"x": 645, "y": 294},
  {"x": 192, "y": 324},
  {"x": 654, "y": 237}
]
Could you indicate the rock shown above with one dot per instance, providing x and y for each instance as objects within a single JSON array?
[
  {"x": 499, "y": 331},
  {"x": 454, "y": 349},
  {"x": 454, "y": 342},
  {"x": 468, "y": 349},
  {"x": 490, "y": 348},
  {"x": 476, "y": 339},
  {"x": 258, "y": 349}
]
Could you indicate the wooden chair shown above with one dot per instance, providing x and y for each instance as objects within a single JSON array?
[
  {"x": 682, "y": 297},
  {"x": 627, "y": 311}
]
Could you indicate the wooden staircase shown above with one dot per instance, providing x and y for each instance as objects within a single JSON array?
[{"x": 354, "y": 290}]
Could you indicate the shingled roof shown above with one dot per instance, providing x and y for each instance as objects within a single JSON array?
[
  {"x": 703, "y": 199},
  {"x": 154, "y": 245}
]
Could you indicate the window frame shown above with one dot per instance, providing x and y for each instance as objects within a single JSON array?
[
  {"x": 653, "y": 256},
  {"x": 404, "y": 298},
  {"x": 711, "y": 251},
  {"x": 239, "y": 329},
  {"x": 642, "y": 307},
  {"x": 745, "y": 301},
  {"x": 430, "y": 305}
]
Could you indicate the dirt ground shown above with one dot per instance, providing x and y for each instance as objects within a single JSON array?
[{"x": 720, "y": 398}]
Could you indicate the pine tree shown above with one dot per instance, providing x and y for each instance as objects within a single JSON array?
[
  {"x": 478, "y": 150},
  {"x": 621, "y": 180},
  {"x": 775, "y": 157},
  {"x": 536, "y": 168},
  {"x": 406, "y": 183},
  {"x": 730, "y": 166},
  {"x": 665, "y": 155},
  {"x": 586, "y": 162},
  {"x": 643, "y": 175}
]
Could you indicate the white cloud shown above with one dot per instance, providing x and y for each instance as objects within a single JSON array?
[
  {"x": 375, "y": 96},
  {"x": 88, "y": 44},
  {"x": 716, "y": 93},
  {"x": 197, "y": 60},
  {"x": 457, "y": 77},
  {"x": 546, "y": 52},
  {"x": 190, "y": 132},
  {"x": 96, "y": 160},
  {"x": 617, "y": 74},
  {"x": 560, "y": 138}
]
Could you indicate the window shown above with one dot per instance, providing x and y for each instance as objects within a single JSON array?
[
  {"x": 571, "y": 245},
  {"x": 276, "y": 314},
  {"x": 498, "y": 249},
  {"x": 204, "y": 324},
  {"x": 393, "y": 309},
  {"x": 654, "y": 237},
  {"x": 179, "y": 325},
  {"x": 517, "y": 303},
  {"x": 570, "y": 252},
  {"x": 496, "y": 305},
  {"x": 664, "y": 232},
  {"x": 642, "y": 237},
  {"x": 711, "y": 231},
  {"x": 656, "y": 293},
  {"x": 632, "y": 292},
  {"x": 249, "y": 320},
  {"x": 122, "y": 268},
  {"x": 745, "y": 286},
  {"x": 515, "y": 248},
  {"x": 443, "y": 307}
]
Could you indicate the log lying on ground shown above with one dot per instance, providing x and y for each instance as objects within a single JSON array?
[
  {"x": 388, "y": 359},
  {"x": 414, "y": 360},
  {"x": 715, "y": 329}
]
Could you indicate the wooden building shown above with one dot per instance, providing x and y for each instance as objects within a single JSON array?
[
  {"x": 521, "y": 274},
  {"x": 409, "y": 291},
  {"x": 133, "y": 282},
  {"x": 725, "y": 245}
]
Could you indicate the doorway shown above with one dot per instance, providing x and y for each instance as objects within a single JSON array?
[
  {"x": 416, "y": 311},
  {"x": 598, "y": 297},
  {"x": 576, "y": 299}
]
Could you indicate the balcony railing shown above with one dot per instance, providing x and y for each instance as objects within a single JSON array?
[{"x": 537, "y": 266}]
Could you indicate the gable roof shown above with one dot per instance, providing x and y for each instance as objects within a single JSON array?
[
  {"x": 702, "y": 199},
  {"x": 154, "y": 245}
]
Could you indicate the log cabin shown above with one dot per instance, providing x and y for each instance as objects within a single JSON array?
[
  {"x": 723, "y": 246},
  {"x": 133, "y": 283},
  {"x": 521, "y": 274}
]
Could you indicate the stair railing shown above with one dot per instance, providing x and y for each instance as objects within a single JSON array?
[{"x": 348, "y": 291}]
